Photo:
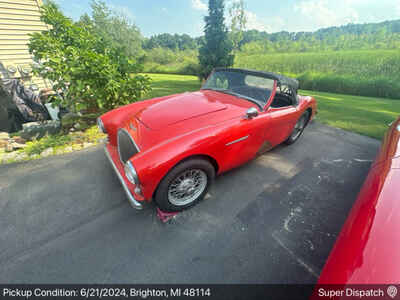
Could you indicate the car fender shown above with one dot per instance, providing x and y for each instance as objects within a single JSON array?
[
  {"x": 308, "y": 102},
  {"x": 113, "y": 119},
  {"x": 152, "y": 165}
]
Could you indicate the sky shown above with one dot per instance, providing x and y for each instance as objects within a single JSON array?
[{"x": 186, "y": 16}]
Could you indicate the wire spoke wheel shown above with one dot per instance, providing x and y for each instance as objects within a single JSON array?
[
  {"x": 187, "y": 187},
  {"x": 299, "y": 127}
]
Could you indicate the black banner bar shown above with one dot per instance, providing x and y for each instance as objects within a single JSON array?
[{"x": 212, "y": 291}]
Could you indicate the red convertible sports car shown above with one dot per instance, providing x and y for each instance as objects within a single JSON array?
[
  {"x": 169, "y": 149},
  {"x": 367, "y": 249}
]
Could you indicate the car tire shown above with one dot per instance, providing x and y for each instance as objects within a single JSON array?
[
  {"x": 298, "y": 129},
  {"x": 185, "y": 185}
]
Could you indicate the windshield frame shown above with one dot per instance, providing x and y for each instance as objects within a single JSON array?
[{"x": 260, "y": 104}]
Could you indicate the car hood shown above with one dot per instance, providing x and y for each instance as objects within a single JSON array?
[
  {"x": 184, "y": 107},
  {"x": 175, "y": 115}
]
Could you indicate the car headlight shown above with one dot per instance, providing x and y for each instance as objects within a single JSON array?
[
  {"x": 101, "y": 125},
  {"x": 130, "y": 173}
]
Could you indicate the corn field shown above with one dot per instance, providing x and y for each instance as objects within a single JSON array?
[{"x": 366, "y": 73}]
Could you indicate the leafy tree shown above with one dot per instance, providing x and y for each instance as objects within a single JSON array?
[
  {"x": 353, "y": 36},
  {"x": 238, "y": 23},
  {"x": 92, "y": 73},
  {"x": 114, "y": 28},
  {"x": 186, "y": 42},
  {"x": 171, "y": 41},
  {"x": 216, "y": 51}
]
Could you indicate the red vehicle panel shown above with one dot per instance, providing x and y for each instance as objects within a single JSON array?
[
  {"x": 225, "y": 127},
  {"x": 366, "y": 251}
]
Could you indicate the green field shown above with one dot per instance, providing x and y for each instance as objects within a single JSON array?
[
  {"x": 372, "y": 73},
  {"x": 364, "y": 115},
  {"x": 362, "y": 72}
]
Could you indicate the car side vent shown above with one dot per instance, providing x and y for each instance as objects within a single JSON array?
[{"x": 126, "y": 145}]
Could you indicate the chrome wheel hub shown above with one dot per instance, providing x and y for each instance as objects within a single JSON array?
[{"x": 187, "y": 187}]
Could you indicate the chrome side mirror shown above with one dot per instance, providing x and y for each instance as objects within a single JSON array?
[{"x": 251, "y": 113}]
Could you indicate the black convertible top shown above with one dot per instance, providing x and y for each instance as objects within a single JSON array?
[{"x": 293, "y": 83}]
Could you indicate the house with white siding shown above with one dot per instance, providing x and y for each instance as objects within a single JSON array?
[{"x": 19, "y": 18}]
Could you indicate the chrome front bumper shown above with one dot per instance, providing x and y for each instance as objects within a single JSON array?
[{"x": 135, "y": 204}]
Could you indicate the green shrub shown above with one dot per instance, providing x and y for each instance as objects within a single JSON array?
[
  {"x": 166, "y": 61},
  {"x": 36, "y": 147},
  {"x": 162, "y": 56},
  {"x": 94, "y": 74},
  {"x": 190, "y": 69}
]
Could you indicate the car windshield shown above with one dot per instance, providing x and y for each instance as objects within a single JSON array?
[{"x": 256, "y": 89}]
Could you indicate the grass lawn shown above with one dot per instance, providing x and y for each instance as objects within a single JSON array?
[
  {"x": 167, "y": 84},
  {"x": 363, "y": 115}
]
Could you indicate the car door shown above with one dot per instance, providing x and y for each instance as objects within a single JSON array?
[
  {"x": 281, "y": 119},
  {"x": 243, "y": 140},
  {"x": 256, "y": 135}
]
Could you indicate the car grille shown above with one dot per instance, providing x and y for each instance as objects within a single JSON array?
[{"x": 126, "y": 146}]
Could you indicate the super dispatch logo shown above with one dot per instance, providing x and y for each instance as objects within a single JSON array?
[
  {"x": 392, "y": 291},
  {"x": 353, "y": 292}
]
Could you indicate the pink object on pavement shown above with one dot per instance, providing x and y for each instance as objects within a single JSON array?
[{"x": 165, "y": 216}]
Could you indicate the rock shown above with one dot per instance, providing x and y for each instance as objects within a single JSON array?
[
  {"x": 19, "y": 140},
  {"x": 70, "y": 116},
  {"x": 47, "y": 152},
  {"x": 8, "y": 156},
  {"x": 21, "y": 156},
  {"x": 87, "y": 145},
  {"x": 4, "y": 136},
  {"x": 69, "y": 119},
  {"x": 29, "y": 125},
  {"x": 18, "y": 146},
  {"x": 9, "y": 148},
  {"x": 59, "y": 151},
  {"x": 77, "y": 146},
  {"x": 3, "y": 143},
  {"x": 72, "y": 130},
  {"x": 38, "y": 130},
  {"x": 77, "y": 126}
]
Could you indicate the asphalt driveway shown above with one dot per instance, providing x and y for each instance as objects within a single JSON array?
[{"x": 66, "y": 219}]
